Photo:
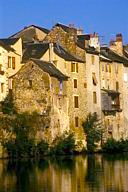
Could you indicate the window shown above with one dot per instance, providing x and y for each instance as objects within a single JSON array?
[
  {"x": 30, "y": 83},
  {"x": 109, "y": 68},
  {"x": 74, "y": 67},
  {"x": 76, "y": 104},
  {"x": 9, "y": 62},
  {"x": 93, "y": 59},
  {"x": 2, "y": 87},
  {"x": 13, "y": 63},
  {"x": 75, "y": 83},
  {"x": 94, "y": 80},
  {"x": 76, "y": 121},
  {"x": 117, "y": 86},
  {"x": 94, "y": 97}
]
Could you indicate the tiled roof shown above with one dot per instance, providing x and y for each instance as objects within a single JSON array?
[
  {"x": 37, "y": 50},
  {"x": 7, "y": 47},
  {"x": 50, "y": 69},
  {"x": 66, "y": 28},
  {"x": 105, "y": 51},
  {"x": 28, "y": 36},
  {"x": 60, "y": 51},
  {"x": 8, "y": 41}
]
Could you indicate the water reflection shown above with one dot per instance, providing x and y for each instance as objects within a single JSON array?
[{"x": 92, "y": 173}]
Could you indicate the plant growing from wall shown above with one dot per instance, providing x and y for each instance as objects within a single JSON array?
[{"x": 93, "y": 130}]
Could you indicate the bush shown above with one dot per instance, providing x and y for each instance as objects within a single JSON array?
[
  {"x": 65, "y": 145},
  {"x": 42, "y": 148},
  {"x": 113, "y": 146},
  {"x": 93, "y": 130},
  {"x": 20, "y": 149}
]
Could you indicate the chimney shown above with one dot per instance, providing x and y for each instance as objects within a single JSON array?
[
  {"x": 117, "y": 45},
  {"x": 51, "y": 52},
  {"x": 119, "y": 37},
  {"x": 94, "y": 41}
]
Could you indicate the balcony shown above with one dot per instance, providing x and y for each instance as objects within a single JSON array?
[{"x": 110, "y": 101}]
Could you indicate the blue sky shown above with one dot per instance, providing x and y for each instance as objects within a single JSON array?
[{"x": 107, "y": 17}]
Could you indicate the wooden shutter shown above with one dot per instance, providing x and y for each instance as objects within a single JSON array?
[{"x": 13, "y": 63}]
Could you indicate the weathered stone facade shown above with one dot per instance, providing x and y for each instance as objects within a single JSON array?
[{"x": 34, "y": 90}]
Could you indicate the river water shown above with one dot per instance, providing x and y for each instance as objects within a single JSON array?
[{"x": 91, "y": 173}]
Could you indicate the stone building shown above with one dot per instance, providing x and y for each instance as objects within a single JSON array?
[
  {"x": 10, "y": 62},
  {"x": 73, "y": 67},
  {"x": 94, "y": 78},
  {"x": 40, "y": 87},
  {"x": 113, "y": 66}
]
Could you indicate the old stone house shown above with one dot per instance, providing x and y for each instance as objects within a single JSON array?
[
  {"x": 113, "y": 91},
  {"x": 10, "y": 62},
  {"x": 39, "y": 87},
  {"x": 74, "y": 68}
]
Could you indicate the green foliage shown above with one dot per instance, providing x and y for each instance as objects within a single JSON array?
[
  {"x": 64, "y": 145},
  {"x": 42, "y": 148},
  {"x": 8, "y": 105},
  {"x": 93, "y": 130},
  {"x": 113, "y": 146},
  {"x": 23, "y": 145}
]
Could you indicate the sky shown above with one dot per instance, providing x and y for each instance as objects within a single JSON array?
[{"x": 106, "y": 17}]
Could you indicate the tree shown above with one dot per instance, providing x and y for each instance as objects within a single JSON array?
[{"x": 93, "y": 130}]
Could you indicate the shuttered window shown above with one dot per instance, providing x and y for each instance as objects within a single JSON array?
[
  {"x": 9, "y": 62},
  {"x": 13, "y": 63},
  {"x": 74, "y": 67}
]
